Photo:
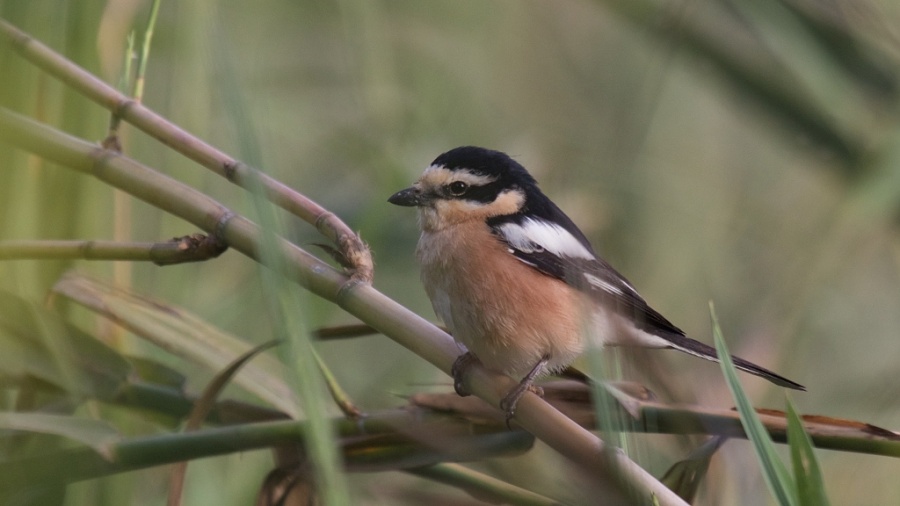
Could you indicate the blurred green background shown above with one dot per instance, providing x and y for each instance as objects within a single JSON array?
[{"x": 711, "y": 150}]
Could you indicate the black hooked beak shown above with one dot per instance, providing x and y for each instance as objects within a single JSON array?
[{"x": 408, "y": 198}]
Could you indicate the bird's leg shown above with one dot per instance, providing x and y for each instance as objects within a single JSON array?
[
  {"x": 462, "y": 363},
  {"x": 508, "y": 404}
]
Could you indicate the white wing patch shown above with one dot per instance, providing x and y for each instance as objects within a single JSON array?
[
  {"x": 602, "y": 285},
  {"x": 534, "y": 235}
]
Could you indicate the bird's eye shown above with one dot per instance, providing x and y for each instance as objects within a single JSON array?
[{"x": 457, "y": 188}]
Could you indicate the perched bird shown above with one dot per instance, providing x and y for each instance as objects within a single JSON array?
[{"x": 517, "y": 282}]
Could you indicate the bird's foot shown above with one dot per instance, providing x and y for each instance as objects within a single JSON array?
[
  {"x": 509, "y": 402},
  {"x": 458, "y": 371}
]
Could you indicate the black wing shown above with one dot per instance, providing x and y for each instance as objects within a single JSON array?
[
  {"x": 596, "y": 278},
  {"x": 557, "y": 252}
]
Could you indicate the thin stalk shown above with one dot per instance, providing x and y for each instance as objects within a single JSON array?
[
  {"x": 112, "y": 140},
  {"x": 192, "y": 248},
  {"x": 145, "y": 53}
]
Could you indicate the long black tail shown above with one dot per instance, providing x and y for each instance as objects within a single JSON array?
[{"x": 698, "y": 349}]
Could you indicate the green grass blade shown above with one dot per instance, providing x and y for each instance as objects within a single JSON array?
[
  {"x": 775, "y": 472},
  {"x": 287, "y": 304},
  {"x": 810, "y": 486},
  {"x": 145, "y": 53}
]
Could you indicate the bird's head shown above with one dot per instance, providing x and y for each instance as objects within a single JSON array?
[{"x": 467, "y": 183}]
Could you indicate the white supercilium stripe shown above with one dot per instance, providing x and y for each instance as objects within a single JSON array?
[
  {"x": 533, "y": 235},
  {"x": 440, "y": 175}
]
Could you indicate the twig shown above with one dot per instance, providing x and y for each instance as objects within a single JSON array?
[
  {"x": 189, "y": 248},
  {"x": 651, "y": 416}
]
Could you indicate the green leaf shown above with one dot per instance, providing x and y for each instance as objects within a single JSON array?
[
  {"x": 775, "y": 473},
  {"x": 157, "y": 373},
  {"x": 98, "y": 435},
  {"x": 684, "y": 476},
  {"x": 810, "y": 487},
  {"x": 183, "y": 334},
  {"x": 38, "y": 343}
]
